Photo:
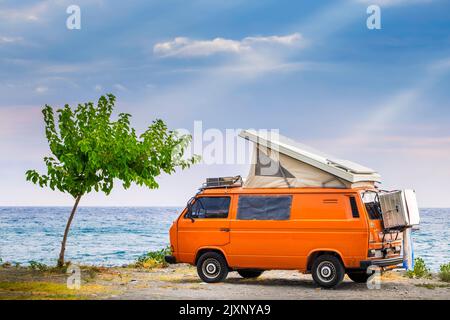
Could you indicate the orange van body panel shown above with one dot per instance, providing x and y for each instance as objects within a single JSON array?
[{"x": 321, "y": 220}]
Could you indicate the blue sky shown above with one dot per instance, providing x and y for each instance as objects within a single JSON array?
[{"x": 310, "y": 69}]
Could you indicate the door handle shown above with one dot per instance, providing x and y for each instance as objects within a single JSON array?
[{"x": 225, "y": 229}]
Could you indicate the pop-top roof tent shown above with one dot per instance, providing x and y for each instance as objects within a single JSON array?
[{"x": 279, "y": 162}]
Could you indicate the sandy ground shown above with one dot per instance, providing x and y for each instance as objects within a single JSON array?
[{"x": 182, "y": 282}]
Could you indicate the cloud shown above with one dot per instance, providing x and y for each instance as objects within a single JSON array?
[
  {"x": 120, "y": 87},
  {"x": 32, "y": 13},
  {"x": 8, "y": 40},
  {"x": 41, "y": 89},
  {"x": 40, "y": 11},
  {"x": 186, "y": 47}
]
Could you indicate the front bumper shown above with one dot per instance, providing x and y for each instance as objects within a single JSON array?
[
  {"x": 170, "y": 259},
  {"x": 381, "y": 262}
]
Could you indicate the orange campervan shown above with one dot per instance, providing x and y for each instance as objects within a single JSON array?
[{"x": 243, "y": 227}]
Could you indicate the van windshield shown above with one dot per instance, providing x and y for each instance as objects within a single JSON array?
[{"x": 372, "y": 203}]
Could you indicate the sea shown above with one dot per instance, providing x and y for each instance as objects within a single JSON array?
[{"x": 115, "y": 236}]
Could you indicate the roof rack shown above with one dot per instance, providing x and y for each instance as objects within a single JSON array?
[{"x": 222, "y": 182}]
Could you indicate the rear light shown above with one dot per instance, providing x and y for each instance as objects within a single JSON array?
[{"x": 375, "y": 253}]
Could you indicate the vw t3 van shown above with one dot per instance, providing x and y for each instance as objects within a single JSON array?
[
  {"x": 297, "y": 210},
  {"x": 325, "y": 232}
]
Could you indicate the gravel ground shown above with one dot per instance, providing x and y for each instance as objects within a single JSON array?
[{"x": 182, "y": 282}]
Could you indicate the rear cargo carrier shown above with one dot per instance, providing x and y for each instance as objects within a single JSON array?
[{"x": 399, "y": 209}]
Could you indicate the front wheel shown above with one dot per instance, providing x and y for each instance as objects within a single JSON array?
[
  {"x": 327, "y": 271},
  {"x": 212, "y": 267},
  {"x": 248, "y": 274}
]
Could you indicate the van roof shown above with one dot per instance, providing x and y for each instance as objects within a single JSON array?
[{"x": 216, "y": 191}]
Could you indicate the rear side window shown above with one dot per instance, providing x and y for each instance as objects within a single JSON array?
[
  {"x": 264, "y": 207},
  {"x": 372, "y": 204},
  {"x": 355, "y": 212},
  {"x": 211, "y": 207}
]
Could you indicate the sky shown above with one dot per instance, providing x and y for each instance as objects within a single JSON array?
[{"x": 311, "y": 69}]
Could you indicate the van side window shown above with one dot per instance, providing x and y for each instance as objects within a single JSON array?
[
  {"x": 355, "y": 212},
  {"x": 264, "y": 207},
  {"x": 211, "y": 207}
]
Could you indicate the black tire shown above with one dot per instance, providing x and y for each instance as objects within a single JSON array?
[
  {"x": 358, "y": 276},
  {"x": 327, "y": 271},
  {"x": 212, "y": 267},
  {"x": 248, "y": 273}
]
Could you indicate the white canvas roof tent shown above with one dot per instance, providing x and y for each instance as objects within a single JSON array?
[{"x": 297, "y": 165}]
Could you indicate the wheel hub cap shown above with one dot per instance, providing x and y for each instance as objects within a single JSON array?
[
  {"x": 211, "y": 268},
  {"x": 326, "y": 271}
]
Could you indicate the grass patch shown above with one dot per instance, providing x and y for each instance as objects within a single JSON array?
[
  {"x": 444, "y": 272},
  {"x": 153, "y": 259},
  {"x": 420, "y": 270},
  {"x": 46, "y": 290},
  {"x": 432, "y": 286}
]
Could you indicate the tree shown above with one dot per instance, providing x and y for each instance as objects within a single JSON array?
[{"x": 91, "y": 151}]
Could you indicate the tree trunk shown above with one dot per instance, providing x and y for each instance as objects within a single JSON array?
[{"x": 66, "y": 232}]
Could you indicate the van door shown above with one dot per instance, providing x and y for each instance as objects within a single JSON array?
[
  {"x": 207, "y": 226},
  {"x": 262, "y": 233}
]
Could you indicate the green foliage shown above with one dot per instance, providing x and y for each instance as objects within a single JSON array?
[
  {"x": 37, "y": 266},
  {"x": 90, "y": 150},
  {"x": 432, "y": 286},
  {"x": 420, "y": 270},
  {"x": 444, "y": 272},
  {"x": 153, "y": 259}
]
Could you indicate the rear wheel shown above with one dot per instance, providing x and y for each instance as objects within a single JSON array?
[
  {"x": 212, "y": 267},
  {"x": 248, "y": 274},
  {"x": 327, "y": 271},
  {"x": 358, "y": 276}
]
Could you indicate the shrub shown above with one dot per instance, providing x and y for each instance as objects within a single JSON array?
[
  {"x": 153, "y": 259},
  {"x": 444, "y": 273},
  {"x": 34, "y": 265},
  {"x": 38, "y": 266},
  {"x": 420, "y": 270}
]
